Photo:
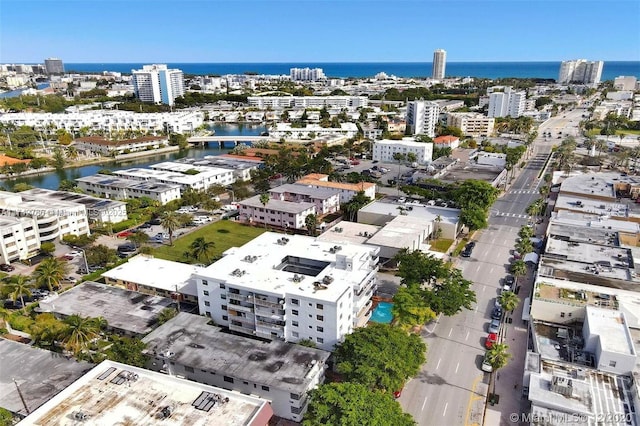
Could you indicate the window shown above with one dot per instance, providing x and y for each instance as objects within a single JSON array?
[
  {"x": 223, "y": 296},
  {"x": 206, "y": 303},
  {"x": 294, "y": 396},
  {"x": 245, "y": 383},
  {"x": 204, "y": 282},
  {"x": 320, "y": 306},
  {"x": 295, "y": 334},
  {"x": 206, "y": 293},
  {"x": 612, "y": 363},
  {"x": 319, "y": 340},
  {"x": 222, "y": 285},
  {"x": 224, "y": 307},
  {"x": 320, "y": 329},
  {"x": 225, "y": 318},
  {"x": 227, "y": 379},
  {"x": 294, "y": 312},
  {"x": 294, "y": 323},
  {"x": 265, "y": 388},
  {"x": 561, "y": 314},
  {"x": 295, "y": 302},
  {"x": 188, "y": 369},
  {"x": 320, "y": 317}
]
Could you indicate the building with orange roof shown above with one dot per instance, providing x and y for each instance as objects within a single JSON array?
[
  {"x": 10, "y": 161},
  {"x": 347, "y": 190},
  {"x": 447, "y": 142}
]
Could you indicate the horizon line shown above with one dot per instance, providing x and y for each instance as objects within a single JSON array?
[{"x": 326, "y": 62}]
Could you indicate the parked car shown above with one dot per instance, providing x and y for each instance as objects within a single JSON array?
[
  {"x": 398, "y": 393},
  {"x": 496, "y": 314},
  {"x": 71, "y": 280},
  {"x": 127, "y": 248},
  {"x": 494, "y": 326},
  {"x": 67, "y": 257},
  {"x": 124, "y": 234},
  {"x": 486, "y": 367},
  {"x": 5, "y": 267},
  {"x": 145, "y": 225},
  {"x": 155, "y": 221},
  {"x": 490, "y": 340},
  {"x": 509, "y": 280}
]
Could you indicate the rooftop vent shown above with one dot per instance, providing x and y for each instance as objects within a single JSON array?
[
  {"x": 282, "y": 241},
  {"x": 327, "y": 279},
  {"x": 297, "y": 278},
  {"x": 250, "y": 259},
  {"x": 258, "y": 356},
  {"x": 80, "y": 416},
  {"x": 562, "y": 385},
  {"x": 238, "y": 273},
  {"x": 337, "y": 229},
  {"x": 275, "y": 366}
]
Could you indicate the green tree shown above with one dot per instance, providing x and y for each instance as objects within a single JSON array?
[
  {"x": 475, "y": 193},
  {"x": 6, "y": 418},
  {"x": 357, "y": 202},
  {"x": 497, "y": 357},
  {"x": 509, "y": 301},
  {"x": 524, "y": 246},
  {"x": 410, "y": 309},
  {"x": 451, "y": 294},
  {"x": 525, "y": 232},
  {"x": 67, "y": 185},
  {"x": 353, "y": 404},
  {"x": 21, "y": 186},
  {"x": 45, "y": 330},
  {"x": 380, "y": 357},
  {"x": 18, "y": 288},
  {"x": 79, "y": 332},
  {"x": 127, "y": 350},
  {"x": 166, "y": 314},
  {"x": 310, "y": 222},
  {"x": 47, "y": 248},
  {"x": 264, "y": 200},
  {"x": 100, "y": 255},
  {"x": 518, "y": 268},
  {"x": 170, "y": 222},
  {"x": 417, "y": 268},
  {"x": 474, "y": 217},
  {"x": 138, "y": 238},
  {"x": 200, "y": 249},
  {"x": 59, "y": 159},
  {"x": 307, "y": 343},
  {"x": 49, "y": 273}
]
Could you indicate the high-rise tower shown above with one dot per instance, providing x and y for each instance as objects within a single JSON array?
[
  {"x": 439, "y": 64},
  {"x": 157, "y": 84}
]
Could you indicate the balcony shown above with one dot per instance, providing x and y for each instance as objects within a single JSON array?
[
  {"x": 261, "y": 302},
  {"x": 240, "y": 308},
  {"x": 365, "y": 309},
  {"x": 264, "y": 334},
  {"x": 270, "y": 325},
  {"x": 244, "y": 320},
  {"x": 239, "y": 297},
  {"x": 268, "y": 314}
]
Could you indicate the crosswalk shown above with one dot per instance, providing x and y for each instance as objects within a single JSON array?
[
  {"x": 503, "y": 214},
  {"x": 523, "y": 191}
]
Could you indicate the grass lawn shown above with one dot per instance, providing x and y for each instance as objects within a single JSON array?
[
  {"x": 441, "y": 245},
  {"x": 596, "y": 132},
  {"x": 225, "y": 233}
]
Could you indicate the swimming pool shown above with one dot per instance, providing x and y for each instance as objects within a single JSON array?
[{"x": 382, "y": 313}]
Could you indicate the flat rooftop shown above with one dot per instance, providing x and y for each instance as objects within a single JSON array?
[
  {"x": 591, "y": 393},
  {"x": 294, "y": 188},
  {"x": 607, "y": 209},
  {"x": 318, "y": 179},
  {"x": 223, "y": 163},
  {"x": 119, "y": 182},
  {"x": 349, "y": 233},
  {"x": 575, "y": 233},
  {"x": 118, "y": 394},
  {"x": 18, "y": 202},
  {"x": 612, "y": 330},
  {"x": 592, "y": 221},
  {"x": 462, "y": 171},
  {"x": 91, "y": 203},
  {"x": 400, "y": 232},
  {"x": 123, "y": 309},
  {"x": 270, "y": 257},
  {"x": 164, "y": 175},
  {"x": 195, "y": 343},
  {"x": 600, "y": 184},
  {"x": 172, "y": 166},
  {"x": 158, "y": 273},
  {"x": 13, "y": 220},
  {"x": 277, "y": 205},
  {"x": 422, "y": 212},
  {"x": 40, "y": 374}
]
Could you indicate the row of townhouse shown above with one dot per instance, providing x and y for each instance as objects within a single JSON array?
[
  {"x": 279, "y": 102},
  {"x": 119, "y": 188},
  {"x": 97, "y": 145},
  {"x": 108, "y": 121}
]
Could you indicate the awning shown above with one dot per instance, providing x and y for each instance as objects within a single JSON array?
[
  {"x": 531, "y": 258},
  {"x": 526, "y": 306}
]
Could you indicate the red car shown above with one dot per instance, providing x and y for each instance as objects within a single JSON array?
[
  {"x": 491, "y": 339},
  {"x": 398, "y": 393},
  {"x": 124, "y": 234}
]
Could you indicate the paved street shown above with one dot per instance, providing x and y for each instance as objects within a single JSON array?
[{"x": 451, "y": 389}]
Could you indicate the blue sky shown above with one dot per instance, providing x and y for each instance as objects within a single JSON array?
[{"x": 317, "y": 31}]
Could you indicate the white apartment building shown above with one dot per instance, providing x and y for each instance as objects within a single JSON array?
[
  {"x": 279, "y": 372},
  {"x": 116, "y": 188},
  {"x": 53, "y": 219},
  {"x": 97, "y": 145},
  {"x": 279, "y": 213},
  {"x": 508, "y": 103},
  {"x": 200, "y": 181},
  {"x": 158, "y": 84},
  {"x": 280, "y": 102},
  {"x": 326, "y": 200},
  {"x": 439, "y": 64},
  {"x": 306, "y": 74},
  {"x": 580, "y": 71},
  {"x": 215, "y": 175},
  {"x": 422, "y": 117},
  {"x": 284, "y": 130},
  {"x": 625, "y": 83},
  {"x": 472, "y": 123},
  {"x": 346, "y": 190},
  {"x": 107, "y": 121},
  {"x": 383, "y": 150},
  {"x": 19, "y": 238},
  {"x": 98, "y": 209},
  {"x": 291, "y": 288}
]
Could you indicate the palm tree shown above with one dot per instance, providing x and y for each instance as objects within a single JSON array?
[
  {"x": 519, "y": 268},
  {"x": 170, "y": 222},
  {"x": 49, "y": 273},
  {"x": 72, "y": 153},
  {"x": 438, "y": 232},
  {"x": 264, "y": 200},
  {"x": 310, "y": 222},
  {"x": 509, "y": 301},
  {"x": 497, "y": 357},
  {"x": 79, "y": 332},
  {"x": 524, "y": 246},
  {"x": 201, "y": 248},
  {"x": 525, "y": 232},
  {"x": 18, "y": 288}
]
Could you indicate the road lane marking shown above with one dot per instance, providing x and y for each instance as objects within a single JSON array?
[
  {"x": 424, "y": 403},
  {"x": 473, "y": 397},
  {"x": 467, "y": 338},
  {"x": 457, "y": 366},
  {"x": 444, "y": 412},
  {"x": 438, "y": 365},
  {"x": 450, "y": 331},
  {"x": 476, "y": 309},
  {"x": 483, "y": 287},
  {"x": 491, "y": 270}
]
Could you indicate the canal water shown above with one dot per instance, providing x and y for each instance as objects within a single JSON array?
[{"x": 52, "y": 180}]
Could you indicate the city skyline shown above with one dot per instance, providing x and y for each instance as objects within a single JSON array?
[{"x": 225, "y": 31}]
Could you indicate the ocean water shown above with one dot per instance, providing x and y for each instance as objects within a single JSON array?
[{"x": 546, "y": 70}]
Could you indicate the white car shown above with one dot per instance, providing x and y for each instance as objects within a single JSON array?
[{"x": 486, "y": 367}]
